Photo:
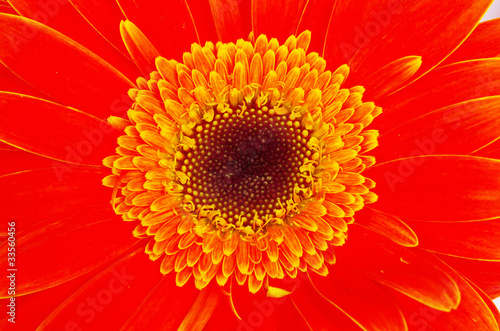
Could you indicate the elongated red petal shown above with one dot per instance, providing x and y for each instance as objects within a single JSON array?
[
  {"x": 473, "y": 240},
  {"x": 471, "y": 314},
  {"x": 202, "y": 309},
  {"x": 484, "y": 274},
  {"x": 61, "y": 68},
  {"x": 317, "y": 24},
  {"x": 360, "y": 298},
  {"x": 388, "y": 226},
  {"x": 6, "y": 147},
  {"x": 440, "y": 88},
  {"x": 31, "y": 194},
  {"x": 104, "y": 17},
  {"x": 169, "y": 25},
  {"x": 484, "y": 42},
  {"x": 227, "y": 20},
  {"x": 487, "y": 300},
  {"x": 457, "y": 129},
  {"x": 370, "y": 34},
  {"x": 11, "y": 83},
  {"x": 223, "y": 318},
  {"x": 391, "y": 77},
  {"x": 164, "y": 308},
  {"x": 264, "y": 312},
  {"x": 287, "y": 317},
  {"x": 63, "y": 17},
  {"x": 278, "y": 19},
  {"x": 204, "y": 22},
  {"x": 107, "y": 299},
  {"x": 76, "y": 245},
  {"x": 399, "y": 268},
  {"x": 55, "y": 131},
  {"x": 18, "y": 160},
  {"x": 438, "y": 188},
  {"x": 42, "y": 304},
  {"x": 490, "y": 151},
  {"x": 319, "y": 312},
  {"x": 5, "y": 7},
  {"x": 245, "y": 303},
  {"x": 140, "y": 48}
]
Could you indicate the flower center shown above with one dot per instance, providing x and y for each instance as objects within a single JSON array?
[
  {"x": 246, "y": 165},
  {"x": 244, "y": 161}
]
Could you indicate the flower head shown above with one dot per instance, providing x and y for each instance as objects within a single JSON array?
[
  {"x": 277, "y": 166},
  {"x": 243, "y": 160}
]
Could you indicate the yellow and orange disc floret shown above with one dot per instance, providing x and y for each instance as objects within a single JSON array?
[{"x": 243, "y": 161}]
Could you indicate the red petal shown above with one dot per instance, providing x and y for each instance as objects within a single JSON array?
[
  {"x": 37, "y": 306},
  {"x": 18, "y": 160},
  {"x": 139, "y": 47},
  {"x": 204, "y": 22},
  {"x": 223, "y": 318},
  {"x": 491, "y": 151},
  {"x": 7, "y": 147},
  {"x": 227, "y": 20},
  {"x": 391, "y": 77},
  {"x": 484, "y": 274},
  {"x": 472, "y": 313},
  {"x": 245, "y": 8},
  {"x": 360, "y": 298},
  {"x": 202, "y": 309},
  {"x": 317, "y": 24},
  {"x": 33, "y": 195},
  {"x": 287, "y": 317},
  {"x": 54, "y": 131},
  {"x": 76, "y": 245},
  {"x": 370, "y": 34},
  {"x": 438, "y": 188},
  {"x": 457, "y": 129},
  {"x": 440, "y": 88},
  {"x": 473, "y": 240},
  {"x": 259, "y": 312},
  {"x": 61, "y": 68},
  {"x": 108, "y": 299},
  {"x": 484, "y": 42},
  {"x": 105, "y": 18},
  {"x": 168, "y": 25},
  {"x": 319, "y": 312},
  {"x": 254, "y": 310},
  {"x": 491, "y": 305},
  {"x": 397, "y": 267},
  {"x": 388, "y": 226},
  {"x": 6, "y": 8},
  {"x": 165, "y": 306},
  {"x": 63, "y": 17},
  {"x": 11, "y": 83},
  {"x": 277, "y": 19}
]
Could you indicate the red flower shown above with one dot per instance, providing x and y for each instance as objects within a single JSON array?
[{"x": 254, "y": 196}]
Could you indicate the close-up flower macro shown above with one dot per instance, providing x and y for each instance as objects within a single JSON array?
[{"x": 249, "y": 165}]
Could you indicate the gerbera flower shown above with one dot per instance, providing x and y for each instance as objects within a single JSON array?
[{"x": 250, "y": 165}]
